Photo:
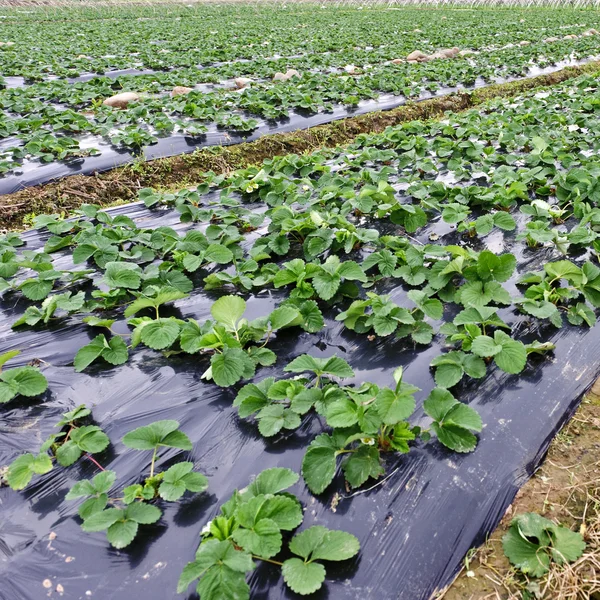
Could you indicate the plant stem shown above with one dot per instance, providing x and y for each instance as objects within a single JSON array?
[
  {"x": 273, "y": 562},
  {"x": 153, "y": 460},
  {"x": 89, "y": 456}
]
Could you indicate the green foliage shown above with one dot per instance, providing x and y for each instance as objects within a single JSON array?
[
  {"x": 533, "y": 542},
  {"x": 121, "y": 517},
  {"x": 249, "y": 527},
  {"x": 66, "y": 447},
  {"x": 453, "y": 422},
  {"x": 19, "y": 381}
]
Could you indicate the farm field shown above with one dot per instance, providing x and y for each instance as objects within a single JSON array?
[
  {"x": 261, "y": 70},
  {"x": 323, "y": 374}
]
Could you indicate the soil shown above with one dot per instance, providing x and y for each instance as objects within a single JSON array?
[
  {"x": 565, "y": 489},
  {"x": 122, "y": 185}
]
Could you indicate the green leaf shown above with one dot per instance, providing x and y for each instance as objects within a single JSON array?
[
  {"x": 101, "y": 521},
  {"x": 394, "y": 407},
  {"x": 342, "y": 413},
  {"x": 303, "y": 578},
  {"x": 282, "y": 316},
  {"x": 27, "y": 381},
  {"x": 117, "y": 352},
  {"x": 178, "y": 479},
  {"x": 228, "y": 310},
  {"x": 319, "y": 543},
  {"x": 160, "y": 333},
  {"x": 533, "y": 541},
  {"x": 302, "y": 363},
  {"x": 284, "y": 511},
  {"x": 121, "y": 533},
  {"x": 498, "y": 268},
  {"x": 142, "y": 513},
  {"x": 273, "y": 481},
  {"x": 90, "y": 352},
  {"x": 36, "y": 289},
  {"x": 453, "y": 422},
  {"x": 334, "y": 366},
  {"x": 262, "y": 539},
  {"x": 122, "y": 275},
  {"x": 100, "y": 484},
  {"x": 484, "y": 345},
  {"x": 7, "y": 356},
  {"x": 90, "y": 438},
  {"x": 319, "y": 465},
  {"x": 220, "y": 555},
  {"x": 218, "y": 254},
  {"x": 230, "y": 366},
  {"x": 504, "y": 221},
  {"x": 164, "y": 295},
  {"x": 361, "y": 465},
  {"x": 223, "y": 583},
  {"x": 159, "y": 433},
  {"x": 23, "y": 468},
  {"x": 326, "y": 284},
  {"x": 564, "y": 269},
  {"x": 513, "y": 357},
  {"x": 68, "y": 453},
  {"x": 456, "y": 438}
]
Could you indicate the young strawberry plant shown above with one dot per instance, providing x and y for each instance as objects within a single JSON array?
[
  {"x": 369, "y": 420},
  {"x": 65, "y": 447},
  {"x": 250, "y": 527},
  {"x": 382, "y": 316},
  {"x": 19, "y": 381},
  {"x": 532, "y": 543},
  {"x": 121, "y": 517}
]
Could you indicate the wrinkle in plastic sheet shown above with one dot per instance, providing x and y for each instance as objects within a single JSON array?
[{"x": 414, "y": 527}]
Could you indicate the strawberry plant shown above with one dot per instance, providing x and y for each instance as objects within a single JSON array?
[
  {"x": 249, "y": 528},
  {"x": 121, "y": 517},
  {"x": 19, "y": 381},
  {"x": 533, "y": 542},
  {"x": 65, "y": 447}
]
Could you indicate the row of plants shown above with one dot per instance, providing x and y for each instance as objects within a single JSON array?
[
  {"x": 45, "y": 121},
  {"x": 75, "y": 40},
  {"x": 385, "y": 238}
]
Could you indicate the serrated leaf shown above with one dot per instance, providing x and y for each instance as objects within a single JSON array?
[
  {"x": 122, "y": 275},
  {"x": 273, "y": 481},
  {"x": 160, "y": 333},
  {"x": 263, "y": 539},
  {"x": 121, "y": 533},
  {"x": 394, "y": 407},
  {"x": 117, "y": 352},
  {"x": 318, "y": 467},
  {"x": 89, "y": 353},
  {"x": 228, "y": 310},
  {"x": 23, "y": 468},
  {"x": 303, "y": 578},
  {"x": 27, "y": 381},
  {"x": 159, "y": 433},
  {"x": 230, "y": 366},
  {"x": 361, "y": 465}
]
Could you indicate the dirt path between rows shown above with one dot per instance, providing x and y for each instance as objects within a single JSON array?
[{"x": 565, "y": 489}]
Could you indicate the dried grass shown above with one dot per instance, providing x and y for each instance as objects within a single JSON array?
[{"x": 567, "y": 490}]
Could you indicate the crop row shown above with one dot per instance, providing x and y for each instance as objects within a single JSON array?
[
  {"x": 79, "y": 41},
  {"x": 52, "y": 120},
  {"x": 389, "y": 237}
]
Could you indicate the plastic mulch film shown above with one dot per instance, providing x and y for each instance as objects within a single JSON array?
[{"x": 415, "y": 525}]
